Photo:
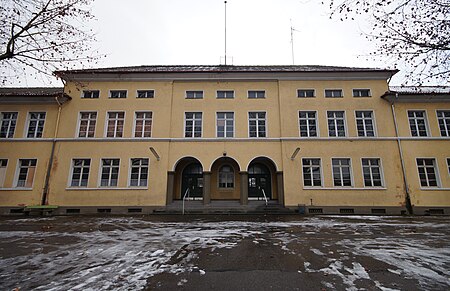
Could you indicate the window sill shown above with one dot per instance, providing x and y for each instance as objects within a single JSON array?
[
  {"x": 344, "y": 188},
  {"x": 104, "y": 188},
  {"x": 434, "y": 189},
  {"x": 16, "y": 189}
]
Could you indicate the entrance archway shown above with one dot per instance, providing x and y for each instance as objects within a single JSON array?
[
  {"x": 192, "y": 179},
  {"x": 262, "y": 179},
  {"x": 259, "y": 180},
  {"x": 188, "y": 174}
]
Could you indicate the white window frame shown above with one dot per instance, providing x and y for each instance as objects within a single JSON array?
[
  {"x": 28, "y": 124},
  {"x": 427, "y": 128},
  {"x": 130, "y": 168},
  {"x": 115, "y": 127},
  {"x": 351, "y": 173},
  {"x": 321, "y": 172},
  {"x": 359, "y": 90},
  {"x": 193, "y": 125},
  {"x": 256, "y": 91},
  {"x": 16, "y": 176},
  {"x": 337, "y": 132},
  {"x": 118, "y": 91},
  {"x": 9, "y": 123},
  {"x": 3, "y": 172},
  {"x": 447, "y": 128},
  {"x": 448, "y": 165},
  {"x": 257, "y": 127},
  {"x": 308, "y": 130},
  {"x": 144, "y": 119},
  {"x": 436, "y": 172},
  {"x": 94, "y": 90},
  {"x": 69, "y": 184},
  {"x": 371, "y": 175},
  {"x": 375, "y": 134},
  {"x": 195, "y": 93},
  {"x": 218, "y": 177},
  {"x": 333, "y": 90},
  {"x": 89, "y": 122},
  {"x": 225, "y": 128},
  {"x": 225, "y": 94},
  {"x": 146, "y": 91},
  {"x": 109, "y": 179},
  {"x": 306, "y": 89}
]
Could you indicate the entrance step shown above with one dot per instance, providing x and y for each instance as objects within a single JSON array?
[{"x": 225, "y": 207}]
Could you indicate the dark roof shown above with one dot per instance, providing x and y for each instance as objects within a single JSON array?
[
  {"x": 420, "y": 89},
  {"x": 23, "y": 91},
  {"x": 417, "y": 94},
  {"x": 220, "y": 69},
  {"x": 35, "y": 95}
]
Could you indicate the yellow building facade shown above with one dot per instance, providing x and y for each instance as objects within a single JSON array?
[{"x": 226, "y": 138}]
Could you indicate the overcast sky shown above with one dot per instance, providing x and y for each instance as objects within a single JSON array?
[{"x": 191, "y": 32}]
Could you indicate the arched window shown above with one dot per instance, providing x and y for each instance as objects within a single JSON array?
[{"x": 226, "y": 177}]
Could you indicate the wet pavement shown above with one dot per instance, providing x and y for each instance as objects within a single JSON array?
[{"x": 225, "y": 253}]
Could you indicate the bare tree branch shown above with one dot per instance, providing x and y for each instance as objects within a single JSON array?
[
  {"x": 45, "y": 35},
  {"x": 413, "y": 32}
]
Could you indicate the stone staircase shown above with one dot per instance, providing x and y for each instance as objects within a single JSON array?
[{"x": 224, "y": 207}]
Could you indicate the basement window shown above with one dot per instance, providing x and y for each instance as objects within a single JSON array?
[{"x": 346, "y": 211}]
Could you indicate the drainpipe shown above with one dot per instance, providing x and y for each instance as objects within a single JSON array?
[
  {"x": 405, "y": 181},
  {"x": 44, "y": 200}
]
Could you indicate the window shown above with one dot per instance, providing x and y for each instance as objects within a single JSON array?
[
  {"x": 341, "y": 172},
  {"x": 308, "y": 123},
  {"x": 35, "y": 124},
  {"x": 8, "y": 124},
  {"x": 365, "y": 123},
  {"x": 257, "y": 124},
  {"x": 225, "y": 124},
  {"x": 3, "y": 165},
  {"x": 372, "y": 172},
  {"x": 80, "y": 172},
  {"x": 87, "y": 124},
  {"x": 145, "y": 94},
  {"x": 333, "y": 93},
  {"x": 226, "y": 177},
  {"x": 115, "y": 124},
  {"x": 27, "y": 168},
  {"x": 139, "y": 172},
  {"x": 305, "y": 93},
  {"x": 194, "y": 94},
  {"x": 256, "y": 94},
  {"x": 443, "y": 120},
  {"x": 311, "y": 172},
  {"x": 448, "y": 165},
  {"x": 361, "y": 93},
  {"x": 90, "y": 94},
  {"x": 427, "y": 172},
  {"x": 225, "y": 94},
  {"x": 110, "y": 172},
  {"x": 336, "y": 123},
  {"x": 143, "y": 124},
  {"x": 418, "y": 122},
  {"x": 193, "y": 124},
  {"x": 118, "y": 94}
]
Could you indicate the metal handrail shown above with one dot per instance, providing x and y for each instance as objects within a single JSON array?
[
  {"x": 264, "y": 193},
  {"x": 186, "y": 195}
]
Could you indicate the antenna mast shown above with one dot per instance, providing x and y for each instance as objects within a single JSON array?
[
  {"x": 292, "y": 43},
  {"x": 225, "y": 2}
]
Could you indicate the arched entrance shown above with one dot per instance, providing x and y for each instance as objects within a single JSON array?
[
  {"x": 188, "y": 174},
  {"x": 259, "y": 181},
  {"x": 192, "y": 179}
]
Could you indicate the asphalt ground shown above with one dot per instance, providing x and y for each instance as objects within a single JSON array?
[{"x": 225, "y": 253}]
